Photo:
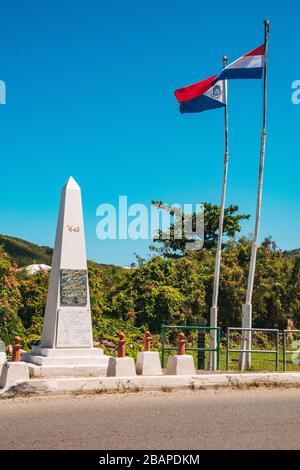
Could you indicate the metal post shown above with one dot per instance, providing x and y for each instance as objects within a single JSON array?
[
  {"x": 214, "y": 307},
  {"x": 277, "y": 350},
  {"x": 201, "y": 344},
  {"x": 245, "y": 358},
  {"x": 219, "y": 346},
  {"x": 227, "y": 349},
  {"x": 162, "y": 347},
  {"x": 284, "y": 350}
]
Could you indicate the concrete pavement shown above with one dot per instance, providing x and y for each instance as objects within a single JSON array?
[{"x": 201, "y": 419}]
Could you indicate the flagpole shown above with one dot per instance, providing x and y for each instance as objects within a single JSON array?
[
  {"x": 245, "y": 358},
  {"x": 214, "y": 307}
]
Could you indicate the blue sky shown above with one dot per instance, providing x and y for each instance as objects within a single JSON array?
[{"x": 90, "y": 94}]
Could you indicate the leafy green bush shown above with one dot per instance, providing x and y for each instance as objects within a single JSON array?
[
  {"x": 10, "y": 300},
  {"x": 162, "y": 290}
]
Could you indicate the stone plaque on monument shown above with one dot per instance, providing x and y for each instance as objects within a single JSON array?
[
  {"x": 73, "y": 287},
  {"x": 74, "y": 329}
]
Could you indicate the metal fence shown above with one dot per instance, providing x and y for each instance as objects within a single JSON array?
[
  {"x": 260, "y": 351},
  {"x": 284, "y": 350},
  {"x": 199, "y": 349}
]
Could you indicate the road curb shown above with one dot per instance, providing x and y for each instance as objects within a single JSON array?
[{"x": 67, "y": 385}]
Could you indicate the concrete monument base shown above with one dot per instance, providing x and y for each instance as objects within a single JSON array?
[
  {"x": 121, "y": 367},
  {"x": 13, "y": 373},
  {"x": 148, "y": 363},
  {"x": 181, "y": 365},
  {"x": 52, "y": 356},
  {"x": 47, "y": 362}
]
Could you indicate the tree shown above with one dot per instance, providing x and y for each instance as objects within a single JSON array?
[
  {"x": 291, "y": 302},
  {"x": 10, "y": 300},
  {"x": 33, "y": 289},
  {"x": 160, "y": 291},
  {"x": 172, "y": 247}
]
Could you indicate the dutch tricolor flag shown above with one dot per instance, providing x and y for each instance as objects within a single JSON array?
[
  {"x": 250, "y": 65},
  {"x": 201, "y": 96},
  {"x": 211, "y": 93}
]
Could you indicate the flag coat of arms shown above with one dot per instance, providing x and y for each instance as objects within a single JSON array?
[
  {"x": 202, "y": 96},
  {"x": 248, "y": 66}
]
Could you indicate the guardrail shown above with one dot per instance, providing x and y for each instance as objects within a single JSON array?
[
  {"x": 203, "y": 328},
  {"x": 284, "y": 350},
  {"x": 260, "y": 351}
]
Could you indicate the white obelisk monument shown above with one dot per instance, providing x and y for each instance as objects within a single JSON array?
[
  {"x": 67, "y": 322},
  {"x": 67, "y": 339}
]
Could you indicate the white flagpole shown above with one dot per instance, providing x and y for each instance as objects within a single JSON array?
[
  {"x": 245, "y": 358},
  {"x": 214, "y": 307}
]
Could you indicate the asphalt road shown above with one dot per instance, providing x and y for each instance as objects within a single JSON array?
[{"x": 231, "y": 419}]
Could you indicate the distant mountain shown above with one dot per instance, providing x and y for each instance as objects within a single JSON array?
[
  {"x": 295, "y": 252},
  {"x": 24, "y": 252}
]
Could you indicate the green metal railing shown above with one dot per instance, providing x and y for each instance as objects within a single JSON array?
[
  {"x": 247, "y": 350},
  {"x": 284, "y": 346},
  {"x": 201, "y": 328}
]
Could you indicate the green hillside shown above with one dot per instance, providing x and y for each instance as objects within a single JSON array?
[
  {"x": 292, "y": 253},
  {"x": 24, "y": 252}
]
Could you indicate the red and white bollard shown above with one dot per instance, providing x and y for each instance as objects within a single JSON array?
[
  {"x": 148, "y": 362},
  {"x": 121, "y": 366},
  {"x": 16, "y": 352},
  {"x": 147, "y": 341},
  {"x": 181, "y": 342},
  {"x": 121, "y": 344},
  {"x": 181, "y": 363}
]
